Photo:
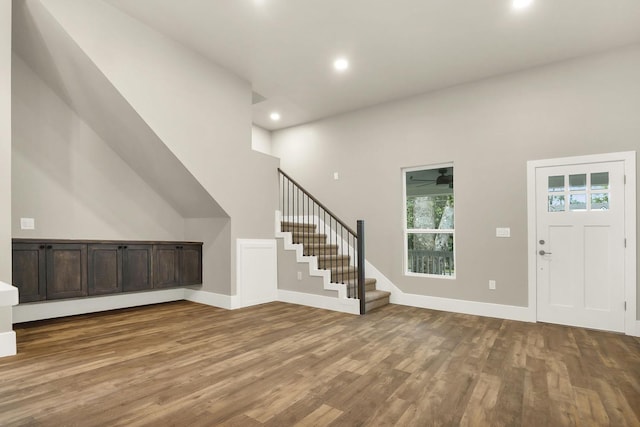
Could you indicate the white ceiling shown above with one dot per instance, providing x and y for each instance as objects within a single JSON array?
[{"x": 396, "y": 48}]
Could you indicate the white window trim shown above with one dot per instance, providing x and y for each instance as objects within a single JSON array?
[{"x": 406, "y": 231}]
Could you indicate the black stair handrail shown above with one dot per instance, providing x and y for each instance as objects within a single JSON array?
[
  {"x": 316, "y": 201},
  {"x": 298, "y": 203}
]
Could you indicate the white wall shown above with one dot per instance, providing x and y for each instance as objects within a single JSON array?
[
  {"x": 199, "y": 110},
  {"x": 288, "y": 270},
  {"x": 70, "y": 180},
  {"x": 5, "y": 141},
  {"x": 7, "y": 336},
  {"x": 214, "y": 233},
  {"x": 261, "y": 139},
  {"x": 489, "y": 129}
]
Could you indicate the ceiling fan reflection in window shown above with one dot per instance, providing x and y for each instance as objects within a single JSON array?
[{"x": 442, "y": 179}]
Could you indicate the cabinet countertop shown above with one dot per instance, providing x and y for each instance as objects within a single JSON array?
[{"x": 115, "y": 242}]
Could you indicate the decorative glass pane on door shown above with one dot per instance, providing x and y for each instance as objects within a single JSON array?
[
  {"x": 600, "y": 181},
  {"x": 600, "y": 201},
  {"x": 586, "y": 192},
  {"x": 556, "y": 203},
  {"x": 556, "y": 183},
  {"x": 578, "y": 182},
  {"x": 578, "y": 202}
]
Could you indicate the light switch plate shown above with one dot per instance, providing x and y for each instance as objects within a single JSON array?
[
  {"x": 336, "y": 176},
  {"x": 503, "y": 232},
  {"x": 27, "y": 223}
]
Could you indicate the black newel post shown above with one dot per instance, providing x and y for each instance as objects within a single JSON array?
[{"x": 361, "y": 266}]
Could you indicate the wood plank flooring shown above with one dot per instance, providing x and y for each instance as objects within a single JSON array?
[{"x": 186, "y": 364}]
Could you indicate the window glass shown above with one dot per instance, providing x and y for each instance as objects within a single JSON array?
[
  {"x": 429, "y": 226},
  {"x": 556, "y": 183},
  {"x": 578, "y": 182},
  {"x": 600, "y": 201},
  {"x": 556, "y": 203},
  {"x": 578, "y": 202},
  {"x": 600, "y": 181}
]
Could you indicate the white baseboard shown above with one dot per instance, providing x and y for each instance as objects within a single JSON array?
[
  {"x": 637, "y": 334},
  {"x": 350, "y": 306},
  {"x": 499, "y": 311},
  {"x": 52, "y": 309},
  {"x": 229, "y": 302},
  {"x": 7, "y": 344}
]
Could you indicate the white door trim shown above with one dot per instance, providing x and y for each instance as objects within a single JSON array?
[{"x": 629, "y": 159}]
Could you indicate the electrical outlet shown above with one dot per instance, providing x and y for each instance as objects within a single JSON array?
[
  {"x": 336, "y": 176},
  {"x": 492, "y": 284},
  {"x": 299, "y": 275}
]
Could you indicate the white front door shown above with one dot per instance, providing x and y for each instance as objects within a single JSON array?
[{"x": 580, "y": 246}]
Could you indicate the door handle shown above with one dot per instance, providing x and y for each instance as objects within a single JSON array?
[{"x": 542, "y": 252}]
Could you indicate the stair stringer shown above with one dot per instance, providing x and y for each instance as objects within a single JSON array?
[
  {"x": 383, "y": 283},
  {"x": 312, "y": 262}
]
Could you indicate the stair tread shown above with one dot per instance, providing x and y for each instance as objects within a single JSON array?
[
  {"x": 298, "y": 224},
  {"x": 325, "y": 257},
  {"x": 367, "y": 281},
  {"x": 307, "y": 233}
]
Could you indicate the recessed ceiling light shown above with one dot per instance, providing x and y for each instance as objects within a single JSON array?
[
  {"x": 275, "y": 116},
  {"x": 520, "y": 4},
  {"x": 340, "y": 64}
]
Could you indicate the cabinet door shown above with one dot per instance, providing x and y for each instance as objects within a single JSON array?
[
  {"x": 166, "y": 266},
  {"x": 190, "y": 264},
  {"x": 105, "y": 269},
  {"x": 29, "y": 271},
  {"x": 136, "y": 273},
  {"x": 66, "y": 270}
]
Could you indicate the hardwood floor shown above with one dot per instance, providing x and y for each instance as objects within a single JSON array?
[{"x": 186, "y": 364}]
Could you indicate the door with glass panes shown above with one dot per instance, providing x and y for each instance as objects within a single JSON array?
[{"x": 580, "y": 245}]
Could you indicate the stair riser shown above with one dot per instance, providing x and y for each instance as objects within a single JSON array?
[
  {"x": 377, "y": 303},
  {"x": 333, "y": 263},
  {"x": 309, "y": 239},
  {"x": 338, "y": 277},
  {"x": 319, "y": 251},
  {"x": 370, "y": 287}
]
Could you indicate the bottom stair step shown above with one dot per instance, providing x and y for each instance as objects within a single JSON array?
[{"x": 375, "y": 299}]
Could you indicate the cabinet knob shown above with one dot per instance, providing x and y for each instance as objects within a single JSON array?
[
  {"x": 49, "y": 247},
  {"x": 42, "y": 246},
  {"x": 124, "y": 247},
  {"x": 119, "y": 247}
]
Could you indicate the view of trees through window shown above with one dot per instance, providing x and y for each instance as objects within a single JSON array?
[{"x": 429, "y": 228}]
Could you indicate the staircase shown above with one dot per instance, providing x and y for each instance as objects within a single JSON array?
[{"x": 339, "y": 264}]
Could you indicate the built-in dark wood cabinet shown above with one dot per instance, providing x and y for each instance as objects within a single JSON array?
[
  {"x": 66, "y": 270},
  {"x": 177, "y": 265},
  {"x": 44, "y": 270},
  {"x": 48, "y": 269},
  {"x": 190, "y": 265},
  {"x": 29, "y": 271},
  {"x": 136, "y": 268},
  {"x": 105, "y": 269},
  {"x": 119, "y": 268}
]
